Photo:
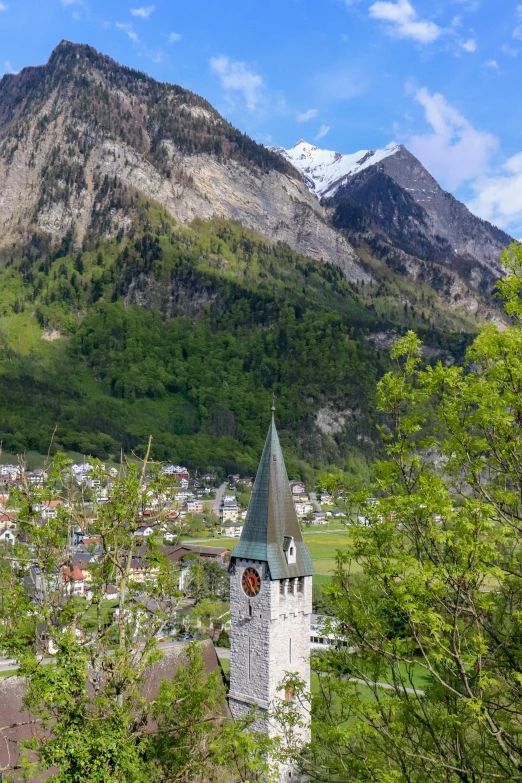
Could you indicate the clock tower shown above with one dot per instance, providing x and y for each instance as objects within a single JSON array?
[{"x": 270, "y": 595}]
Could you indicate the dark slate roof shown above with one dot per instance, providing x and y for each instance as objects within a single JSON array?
[{"x": 271, "y": 516}]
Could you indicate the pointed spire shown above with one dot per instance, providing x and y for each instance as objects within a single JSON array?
[{"x": 271, "y": 516}]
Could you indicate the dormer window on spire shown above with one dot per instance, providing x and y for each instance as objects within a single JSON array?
[
  {"x": 271, "y": 533},
  {"x": 289, "y": 550}
]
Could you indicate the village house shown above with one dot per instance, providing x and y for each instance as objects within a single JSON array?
[
  {"x": 325, "y": 633},
  {"x": 61, "y": 580},
  {"x": 177, "y": 551},
  {"x": 302, "y": 508},
  {"x": 144, "y": 531},
  {"x": 141, "y": 570},
  {"x": 111, "y": 593},
  {"x": 229, "y": 509},
  {"x": 36, "y": 477},
  {"x": 48, "y": 509},
  {"x": 326, "y": 499},
  {"x": 318, "y": 518},
  {"x": 9, "y": 472},
  {"x": 176, "y": 471},
  {"x": 193, "y": 507},
  {"x": 7, "y": 521},
  {"x": 183, "y": 495},
  {"x": 74, "y": 581},
  {"x": 7, "y": 535},
  {"x": 231, "y": 529},
  {"x": 297, "y": 488}
]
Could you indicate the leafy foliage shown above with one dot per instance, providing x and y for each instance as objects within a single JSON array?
[
  {"x": 96, "y": 713},
  {"x": 436, "y": 612},
  {"x": 184, "y": 334}
]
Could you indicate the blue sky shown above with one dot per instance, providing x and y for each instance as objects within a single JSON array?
[{"x": 441, "y": 76}]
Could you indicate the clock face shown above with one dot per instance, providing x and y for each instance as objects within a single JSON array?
[{"x": 251, "y": 582}]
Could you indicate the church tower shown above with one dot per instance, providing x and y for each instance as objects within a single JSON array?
[{"x": 270, "y": 594}]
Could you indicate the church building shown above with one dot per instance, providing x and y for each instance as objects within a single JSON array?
[{"x": 270, "y": 595}]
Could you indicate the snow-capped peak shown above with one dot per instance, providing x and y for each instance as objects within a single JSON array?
[{"x": 325, "y": 170}]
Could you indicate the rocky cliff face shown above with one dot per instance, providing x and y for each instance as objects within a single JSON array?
[
  {"x": 75, "y": 132},
  {"x": 389, "y": 206},
  {"x": 447, "y": 217}
]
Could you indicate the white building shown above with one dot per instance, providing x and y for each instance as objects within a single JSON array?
[
  {"x": 231, "y": 529},
  {"x": 325, "y": 633}
]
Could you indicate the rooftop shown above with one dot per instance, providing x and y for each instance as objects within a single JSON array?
[{"x": 271, "y": 517}]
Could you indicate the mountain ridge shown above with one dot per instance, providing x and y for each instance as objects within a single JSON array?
[
  {"x": 67, "y": 126},
  {"x": 161, "y": 273},
  {"x": 326, "y": 172}
]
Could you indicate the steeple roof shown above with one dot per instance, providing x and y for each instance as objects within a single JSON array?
[{"x": 271, "y": 517}]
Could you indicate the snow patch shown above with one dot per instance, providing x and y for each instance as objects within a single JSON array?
[{"x": 324, "y": 171}]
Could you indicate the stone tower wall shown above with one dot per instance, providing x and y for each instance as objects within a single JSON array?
[{"x": 271, "y": 641}]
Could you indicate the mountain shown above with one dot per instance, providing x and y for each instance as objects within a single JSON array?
[
  {"x": 389, "y": 206},
  {"x": 324, "y": 171},
  {"x": 71, "y": 128},
  {"x": 162, "y": 274}
]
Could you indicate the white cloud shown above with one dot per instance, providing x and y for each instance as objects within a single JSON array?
[
  {"x": 173, "y": 37},
  {"x": 144, "y": 11},
  {"x": 323, "y": 130},
  {"x": 509, "y": 50},
  {"x": 403, "y": 21},
  {"x": 67, "y": 3},
  {"x": 3, "y": 6},
  {"x": 517, "y": 32},
  {"x": 469, "y": 46},
  {"x": 8, "y": 68},
  {"x": 235, "y": 76},
  {"x": 492, "y": 64},
  {"x": 307, "y": 115},
  {"x": 498, "y": 198},
  {"x": 127, "y": 28},
  {"x": 454, "y": 151}
]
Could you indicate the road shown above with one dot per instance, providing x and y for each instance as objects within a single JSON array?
[{"x": 216, "y": 504}]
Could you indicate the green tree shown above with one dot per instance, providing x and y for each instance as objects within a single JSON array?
[
  {"x": 207, "y": 579},
  {"x": 91, "y": 720},
  {"x": 436, "y": 611}
]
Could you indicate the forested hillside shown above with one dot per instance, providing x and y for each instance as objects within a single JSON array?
[
  {"x": 163, "y": 274},
  {"x": 184, "y": 333}
]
